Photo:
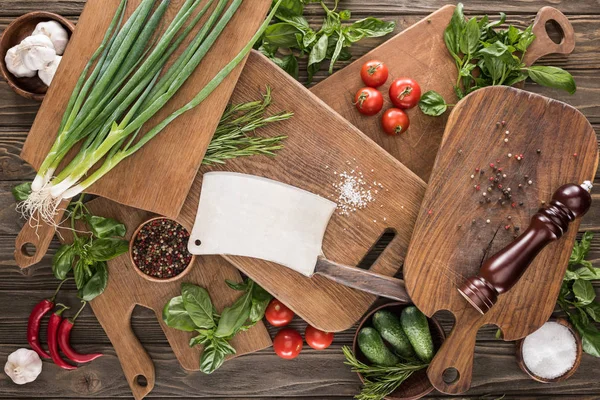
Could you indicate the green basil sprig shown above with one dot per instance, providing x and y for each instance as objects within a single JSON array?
[
  {"x": 194, "y": 311},
  {"x": 88, "y": 253},
  {"x": 577, "y": 297},
  {"x": 487, "y": 56},
  {"x": 291, "y": 37}
]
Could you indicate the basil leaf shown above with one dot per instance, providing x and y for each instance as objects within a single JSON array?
[
  {"x": 312, "y": 69},
  {"x": 62, "y": 262},
  {"x": 105, "y": 227},
  {"x": 586, "y": 274},
  {"x": 297, "y": 21},
  {"x": 469, "y": 39},
  {"x": 96, "y": 285},
  {"x": 338, "y": 49},
  {"x": 590, "y": 337},
  {"x": 281, "y": 35},
  {"x": 105, "y": 249},
  {"x": 80, "y": 273},
  {"x": 497, "y": 23},
  {"x": 175, "y": 315},
  {"x": 319, "y": 51},
  {"x": 553, "y": 77},
  {"x": 212, "y": 358},
  {"x": 242, "y": 286},
  {"x": 260, "y": 300},
  {"x": 525, "y": 39},
  {"x": 584, "y": 292},
  {"x": 232, "y": 318},
  {"x": 289, "y": 64},
  {"x": 368, "y": 28},
  {"x": 496, "y": 50},
  {"x": 454, "y": 30},
  {"x": 22, "y": 191},
  {"x": 432, "y": 103},
  {"x": 225, "y": 347},
  {"x": 593, "y": 310},
  {"x": 309, "y": 38},
  {"x": 197, "y": 303},
  {"x": 289, "y": 8},
  {"x": 345, "y": 15}
]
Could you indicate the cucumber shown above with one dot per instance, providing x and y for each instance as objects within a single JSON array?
[
  {"x": 372, "y": 346},
  {"x": 388, "y": 326},
  {"x": 415, "y": 325}
]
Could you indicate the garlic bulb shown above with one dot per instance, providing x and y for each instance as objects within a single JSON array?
[
  {"x": 36, "y": 51},
  {"x": 47, "y": 72},
  {"x": 14, "y": 63},
  {"x": 55, "y": 31},
  {"x": 23, "y": 366}
]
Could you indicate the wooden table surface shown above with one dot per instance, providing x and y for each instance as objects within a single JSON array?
[{"x": 263, "y": 375}]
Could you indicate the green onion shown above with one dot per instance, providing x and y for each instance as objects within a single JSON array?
[{"x": 127, "y": 87}]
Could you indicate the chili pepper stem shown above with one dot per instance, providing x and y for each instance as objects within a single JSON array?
[
  {"x": 58, "y": 289},
  {"x": 79, "y": 312},
  {"x": 63, "y": 308}
]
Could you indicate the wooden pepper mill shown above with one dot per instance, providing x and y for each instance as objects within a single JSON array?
[{"x": 500, "y": 272}]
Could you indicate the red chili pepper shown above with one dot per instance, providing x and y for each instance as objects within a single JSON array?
[
  {"x": 64, "y": 336},
  {"x": 35, "y": 318},
  {"x": 53, "y": 324}
]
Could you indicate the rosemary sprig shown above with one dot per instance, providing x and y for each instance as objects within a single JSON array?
[
  {"x": 380, "y": 381},
  {"x": 232, "y": 138}
]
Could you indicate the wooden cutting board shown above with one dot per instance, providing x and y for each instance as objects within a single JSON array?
[
  {"x": 170, "y": 160},
  {"x": 419, "y": 52},
  {"x": 454, "y": 231},
  {"x": 127, "y": 289},
  {"x": 320, "y": 146}
]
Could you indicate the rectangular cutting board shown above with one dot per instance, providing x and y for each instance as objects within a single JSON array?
[
  {"x": 158, "y": 177},
  {"x": 455, "y": 232},
  {"x": 320, "y": 146},
  {"x": 126, "y": 289}
]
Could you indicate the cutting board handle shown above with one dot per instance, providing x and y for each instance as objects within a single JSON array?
[
  {"x": 543, "y": 45},
  {"x": 34, "y": 239},
  {"x": 451, "y": 369}
]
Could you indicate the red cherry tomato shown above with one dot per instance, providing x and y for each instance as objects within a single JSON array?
[
  {"x": 374, "y": 73},
  {"x": 395, "y": 121},
  {"x": 368, "y": 101},
  {"x": 278, "y": 314},
  {"x": 405, "y": 93},
  {"x": 287, "y": 343},
  {"x": 317, "y": 339}
]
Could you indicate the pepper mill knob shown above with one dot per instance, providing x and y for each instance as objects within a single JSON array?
[{"x": 500, "y": 272}]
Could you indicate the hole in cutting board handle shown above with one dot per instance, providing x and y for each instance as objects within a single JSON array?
[
  {"x": 554, "y": 31},
  {"x": 141, "y": 380},
  {"x": 28, "y": 249},
  {"x": 450, "y": 375}
]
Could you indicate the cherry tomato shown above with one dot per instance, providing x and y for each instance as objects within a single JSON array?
[
  {"x": 374, "y": 73},
  {"x": 368, "y": 101},
  {"x": 317, "y": 339},
  {"x": 278, "y": 314},
  {"x": 395, "y": 121},
  {"x": 405, "y": 93},
  {"x": 287, "y": 343}
]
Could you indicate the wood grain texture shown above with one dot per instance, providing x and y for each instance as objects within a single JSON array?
[
  {"x": 171, "y": 159},
  {"x": 453, "y": 227},
  {"x": 320, "y": 146},
  {"x": 126, "y": 289}
]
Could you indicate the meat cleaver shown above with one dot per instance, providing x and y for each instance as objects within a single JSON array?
[{"x": 252, "y": 216}]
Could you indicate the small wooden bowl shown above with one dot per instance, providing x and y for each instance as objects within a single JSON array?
[
  {"x": 152, "y": 278},
  {"x": 30, "y": 88},
  {"x": 567, "y": 374},
  {"x": 418, "y": 384}
]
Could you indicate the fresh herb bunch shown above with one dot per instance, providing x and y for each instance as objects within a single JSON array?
[
  {"x": 194, "y": 311},
  {"x": 486, "y": 56},
  {"x": 293, "y": 36},
  {"x": 577, "y": 297},
  {"x": 232, "y": 140},
  {"x": 89, "y": 252},
  {"x": 380, "y": 381}
]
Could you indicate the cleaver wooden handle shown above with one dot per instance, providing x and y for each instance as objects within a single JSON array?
[{"x": 367, "y": 281}]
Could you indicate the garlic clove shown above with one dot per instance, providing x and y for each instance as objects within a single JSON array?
[
  {"x": 36, "y": 51},
  {"x": 57, "y": 34},
  {"x": 46, "y": 73},
  {"x": 23, "y": 366},
  {"x": 14, "y": 63}
]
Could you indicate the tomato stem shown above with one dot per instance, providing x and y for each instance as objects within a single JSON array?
[{"x": 405, "y": 92}]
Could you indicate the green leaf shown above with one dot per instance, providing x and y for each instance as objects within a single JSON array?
[
  {"x": 525, "y": 39},
  {"x": 593, "y": 310},
  {"x": 232, "y": 318},
  {"x": 282, "y": 35},
  {"x": 96, "y": 285},
  {"x": 197, "y": 303},
  {"x": 212, "y": 358},
  {"x": 553, "y": 77},
  {"x": 241, "y": 286},
  {"x": 368, "y": 28},
  {"x": 336, "y": 53},
  {"x": 586, "y": 274},
  {"x": 312, "y": 70},
  {"x": 176, "y": 316},
  {"x": 496, "y": 50},
  {"x": 590, "y": 336},
  {"x": 80, "y": 273},
  {"x": 105, "y": 249},
  {"x": 289, "y": 8},
  {"x": 105, "y": 227},
  {"x": 297, "y": 21},
  {"x": 22, "y": 191},
  {"x": 289, "y": 64},
  {"x": 513, "y": 34},
  {"x": 319, "y": 51},
  {"x": 345, "y": 15},
  {"x": 260, "y": 301},
  {"x": 62, "y": 262},
  {"x": 584, "y": 292},
  {"x": 432, "y": 103},
  {"x": 469, "y": 39},
  {"x": 309, "y": 38},
  {"x": 497, "y": 23}
]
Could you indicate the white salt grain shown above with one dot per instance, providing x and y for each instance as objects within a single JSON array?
[
  {"x": 353, "y": 192},
  {"x": 550, "y": 351}
]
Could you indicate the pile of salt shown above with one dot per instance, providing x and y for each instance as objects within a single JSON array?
[{"x": 550, "y": 351}]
